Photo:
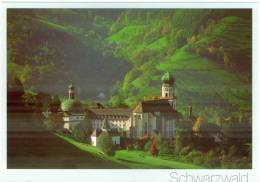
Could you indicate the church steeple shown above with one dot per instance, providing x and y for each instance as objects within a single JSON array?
[
  {"x": 168, "y": 89},
  {"x": 167, "y": 85},
  {"x": 71, "y": 92}
]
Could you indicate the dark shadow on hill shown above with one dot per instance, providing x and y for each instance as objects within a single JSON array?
[{"x": 30, "y": 146}]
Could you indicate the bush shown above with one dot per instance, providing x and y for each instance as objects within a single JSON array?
[
  {"x": 180, "y": 137},
  {"x": 126, "y": 143},
  {"x": 195, "y": 156},
  {"x": 78, "y": 133},
  {"x": 49, "y": 124},
  {"x": 129, "y": 146},
  {"x": 55, "y": 104},
  {"x": 64, "y": 132},
  {"x": 53, "y": 122},
  {"x": 238, "y": 163},
  {"x": 147, "y": 145},
  {"x": 232, "y": 151},
  {"x": 211, "y": 159},
  {"x": 137, "y": 146},
  {"x": 185, "y": 151},
  {"x": 166, "y": 148},
  {"x": 105, "y": 143}
]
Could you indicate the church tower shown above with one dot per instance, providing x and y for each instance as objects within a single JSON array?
[
  {"x": 167, "y": 86},
  {"x": 168, "y": 81},
  {"x": 71, "y": 92}
]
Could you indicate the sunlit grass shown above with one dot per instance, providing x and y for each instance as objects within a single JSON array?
[
  {"x": 143, "y": 158},
  {"x": 131, "y": 159},
  {"x": 125, "y": 34}
]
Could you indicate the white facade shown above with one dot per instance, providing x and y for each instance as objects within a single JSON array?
[
  {"x": 121, "y": 123},
  {"x": 167, "y": 90},
  {"x": 94, "y": 140},
  {"x": 144, "y": 124},
  {"x": 72, "y": 120},
  {"x": 70, "y": 125},
  {"x": 74, "y": 117},
  {"x": 115, "y": 140}
]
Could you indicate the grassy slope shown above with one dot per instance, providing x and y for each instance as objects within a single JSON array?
[
  {"x": 192, "y": 72},
  {"x": 199, "y": 80},
  {"x": 202, "y": 78},
  {"x": 30, "y": 146},
  {"x": 125, "y": 34},
  {"x": 144, "y": 160},
  {"x": 132, "y": 159}
]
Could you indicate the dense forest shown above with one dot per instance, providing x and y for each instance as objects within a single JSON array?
[{"x": 119, "y": 56}]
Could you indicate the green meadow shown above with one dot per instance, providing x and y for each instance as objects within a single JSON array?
[{"x": 132, "y": 159}]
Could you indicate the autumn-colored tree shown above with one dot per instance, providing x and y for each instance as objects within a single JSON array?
[
  {"x": 197, "y": 124},
  {"x": 211, "y": 50},
  {"x": 192, "y": 39},
  {"x": 153, "y": 148}
]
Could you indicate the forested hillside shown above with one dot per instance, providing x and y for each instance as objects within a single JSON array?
[
  {"x": 50, "y": 49},
  {"x": 209, "y": 52},
  {"x": 124, "y": 53}
]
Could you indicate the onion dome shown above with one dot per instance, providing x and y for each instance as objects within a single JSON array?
[{"x": 168, "y": 78}]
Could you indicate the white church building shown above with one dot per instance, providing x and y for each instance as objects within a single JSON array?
[
  {"x": 157, "y": 115},
  {"x": 148, "y": 117}
]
